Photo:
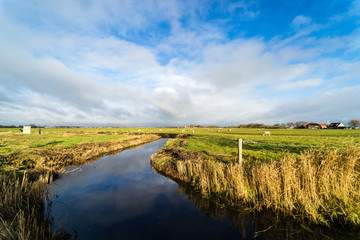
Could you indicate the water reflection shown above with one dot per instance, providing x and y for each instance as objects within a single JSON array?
[{"x": 120, "y": 197}]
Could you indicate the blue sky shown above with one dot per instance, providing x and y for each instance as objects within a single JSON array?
[{"x": 159, "y": 63}]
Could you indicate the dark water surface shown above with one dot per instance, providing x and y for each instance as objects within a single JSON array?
[{"x": 121, "y": 197}]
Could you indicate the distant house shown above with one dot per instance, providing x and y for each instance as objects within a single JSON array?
[
  {"x": 293, "y": 126},
  {"x": 315, "y": 125},
  {"x": 339, "y": 125}
]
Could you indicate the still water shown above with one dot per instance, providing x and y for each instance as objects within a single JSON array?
[{"x": 121, "y": 197}]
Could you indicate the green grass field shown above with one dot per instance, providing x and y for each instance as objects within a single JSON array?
[
  {"x": 264, "y": 184},
  {"x": 12, "y": 140},
  {"x": 20, "y": 151},
  {"x": 312, "y": 175},
  {"x": 265, "y": 148},
  {"x": 224, "y": 142},
  {"x": 218, "y": 144}
]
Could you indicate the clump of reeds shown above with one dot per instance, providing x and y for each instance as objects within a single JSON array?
[
  {"x": 322, "y": 186},
  {"x": 21, "y": 208}
]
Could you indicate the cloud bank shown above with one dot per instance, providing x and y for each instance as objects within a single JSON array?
[{"x": 164, "y": 63}]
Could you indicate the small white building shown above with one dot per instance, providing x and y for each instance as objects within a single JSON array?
[{"x": 27, "y": 130}]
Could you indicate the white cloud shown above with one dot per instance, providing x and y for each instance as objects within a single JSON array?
[
  {"x": 309, "y": 83},
  {"x": 337, "y": 105},
  {"x": 66, "y": 76},
  {"x": 300, "y": 22},
  {"x": 247, "y": 63},
  {"x": 243, "y": 8}
]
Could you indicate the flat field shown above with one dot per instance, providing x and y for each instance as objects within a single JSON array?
[
  {"x": 310, "y": 174},
  {"x": 267, "y": 148},
  {"x": 217, "y": 142},
  {"x": 60, "y": 147}
]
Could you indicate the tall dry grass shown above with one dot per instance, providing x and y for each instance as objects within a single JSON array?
[
  {"x": 21, "y": 208},
  {"x": 322, "y": 186}
]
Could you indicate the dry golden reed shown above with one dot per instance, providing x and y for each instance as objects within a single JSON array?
[
  {"x": 322, "y": 186},
  {"x": 21, "y": 205}
]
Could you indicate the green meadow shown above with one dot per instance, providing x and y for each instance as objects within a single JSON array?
[
  {"x": 222, "y": 142},
  {"x": 268, "y": 148},
  {"x": 312, "y": 175}
]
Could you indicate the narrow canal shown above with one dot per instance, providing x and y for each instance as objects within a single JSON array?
[{"x": 121, "y": 197}]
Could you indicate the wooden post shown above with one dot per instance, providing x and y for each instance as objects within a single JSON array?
[{"x": 240, "y": 150}]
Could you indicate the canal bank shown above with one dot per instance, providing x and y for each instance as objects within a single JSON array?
[
  {"x": 121, "y": 197},
  {"x": 319, "y": 187}
]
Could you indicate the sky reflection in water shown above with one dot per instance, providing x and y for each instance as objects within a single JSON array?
[{"x": 120, "y": 196}]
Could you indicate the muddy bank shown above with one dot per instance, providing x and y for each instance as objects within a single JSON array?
[
  {"x": 56, "y": 159},
  {"x": 168, "y": 135},
  {"x": 60, "y": 158}
]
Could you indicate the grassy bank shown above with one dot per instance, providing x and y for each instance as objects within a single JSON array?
[
  {"x": 55, "y": 149},
  {"x": 316, "y": 185},
  {"x": 29, "y": 162}
]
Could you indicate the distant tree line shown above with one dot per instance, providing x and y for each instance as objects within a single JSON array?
[
  {"x": 262, "y": 125},
  {"x": 10, "y": 126},
  {"x": 354, "y": 123},
  {"x": 21, "y": 126}
]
